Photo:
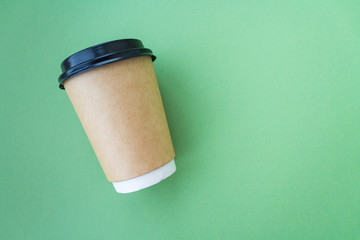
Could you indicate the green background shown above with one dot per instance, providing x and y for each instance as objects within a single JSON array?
[{"x": 262, "y": 99}]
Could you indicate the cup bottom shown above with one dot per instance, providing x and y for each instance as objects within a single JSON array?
[{"x": 146, "y": 180}]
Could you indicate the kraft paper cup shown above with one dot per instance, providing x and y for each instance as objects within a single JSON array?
[{"x": 114, "y": 91}]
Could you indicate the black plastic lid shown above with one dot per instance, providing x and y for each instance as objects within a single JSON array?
[{"x": 102, "y": 54}]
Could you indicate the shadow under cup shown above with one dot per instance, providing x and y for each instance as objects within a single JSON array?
[{"x": 114, "y": 91}]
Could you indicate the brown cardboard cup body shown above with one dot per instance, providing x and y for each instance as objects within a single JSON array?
[{"x": 120, "y": 108}]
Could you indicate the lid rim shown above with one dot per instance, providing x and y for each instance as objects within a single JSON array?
[{"x": 101, "y": 54}]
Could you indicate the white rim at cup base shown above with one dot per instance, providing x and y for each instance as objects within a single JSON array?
[{"x": 146, "y": 180}]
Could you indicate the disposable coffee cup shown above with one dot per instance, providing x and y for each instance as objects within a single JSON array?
[{"x": 114, "y": 91}]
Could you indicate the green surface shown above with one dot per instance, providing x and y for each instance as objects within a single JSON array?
[{"x": 263, "y": 103}]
